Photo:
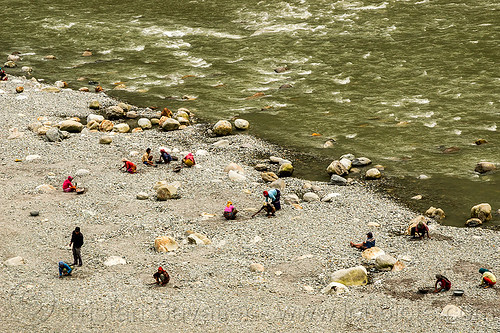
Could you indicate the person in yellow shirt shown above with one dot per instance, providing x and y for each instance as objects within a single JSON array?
[
  {"x": 147, "y": 158},
  {"x": 488, "y": 280}
]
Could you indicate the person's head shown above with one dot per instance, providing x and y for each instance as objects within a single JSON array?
[
  {"x": 160, "y": 269},
  {"x": 483, "y": 270},
  {"x": 420, "y": 224},
  {"x": 70, "y": 178},
  {"x": 77, "y": 230},
  {"x": 61, "y": 263},
  {"x": 439, "y": 276},
  {"x": 369, "y": 234},
  {"x": 148, "y": 150},
  {"x": 124, "y": 160},
  {"x": 162, "y": 151},
  {"x": 229, "y": 203},
  {"x": 266, "y": 194}
]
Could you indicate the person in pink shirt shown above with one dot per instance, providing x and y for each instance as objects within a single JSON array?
[
  {"x": 230, "y": 211},
  {"x": 68, "y": 186}
]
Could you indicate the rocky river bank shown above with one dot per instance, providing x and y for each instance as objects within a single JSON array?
[{"x": 245, "y": 275}]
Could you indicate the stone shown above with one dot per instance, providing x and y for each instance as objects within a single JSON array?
[
  {"x": 19, "y": 89},
  {"x": 278, "y": 160},
  {"x": 34, "y": 213},
  {"x": 285, "y": 170},
  {"x": 15, "y": 261},
  {"x": 384, "y": 261},
  {"x": 170, "y": 124},
  {"x": 235, "y": 167},
  {"x": 95, "y": 117},
  {"x": 372, "y": 253},
  {"x": 337, "y": 180},
  {"x": 10, "y": 64},
  {"x": 480, "y": 141},
  {"x": 131, "y": 115},
  {"x": 241, "y": 124},
  {"x": 434, "y": 212},
  {"x": 337, "y": 168},
  {"x": 95, "y": 105},
  {"x": 292, "y": 199},
  {"x": 82, "y": 172},
  {"x": 71, "y": 126},
  {"x": 87, "y": 53},
  {"x": 35, "y": 126},
  {"x": 473, "y": 222},
  {"x": 255, "y": 267},
  {"x": 309, "y": 289},
  {"x": 27, "y": 69},
  {"x": 198, "y": 239},
  {"x": 451, "y": 310},
  {"x": 51, "y": 89},
  {"x": 115, "y": 260},
  {"x": 93, "y": 125},
  {"x": 279, "y": 184},
  {"x": 144, "y": 123},
  {"x": 268, "y": 177},
  {"x": 483, "y": 167},
  {"x": 281, "y": 69},
  {"x": 423, "y": 177},
  {"x": 379, "y": 167},
  {"x": 286, "y": 86},
  {"x": 221, "y": 143},
  {"x": 61, "y": 84},
  {"x": 373, "y": 224},
  {"x": 125, "y": 107},
  {"x": 329, "y": 197},
  {"x": 361, "y": 161},
  {"x": 45, "y": 188},
  {"x": 105, "y": 140},
  {"x": 398, "y": 266},
  {"x": 329, "y": 143},
  {"x": 106, "y": 126},
  {"x": 417, "y": 197},
  {"x": 346, "y": 163},
  {"x": 310, "y": 196},
  {"x": 166, "y": 192},
  {"x": 54, "y": 134},
  {"x": 235, "y": 176},
  {"x": 165, "y": 244},
  {"x": 481, "y": 211},
  {"x": 142, "y": 196},
  {"x": 354, "y": 276},
  {"x": 222, "y": 128},
  {"x": 121, "y": 128},
  {"x": 13, "y": 57},
  {"x": 115, "y": 112},
  {"x": 84, "y": 89},
  {"x": 373, "y": 173},
  {"x": 137, "y": 130},
  {"x": 183, "y": 121},
  {"x": 43, "y": 130},
  {"x": 155, "y": 121},
  {"x": 14, "y": 133},
  {"x": 159, "y": 184},
  {"x": 335, "y": 288},
  {"x": 350, "y": 157},
  {"x": 30, "y": 158},
  {"x": 260, "y": 167}
]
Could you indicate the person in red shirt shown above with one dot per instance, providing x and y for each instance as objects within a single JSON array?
[
  {"x": 129, "y": 166},
  {"x": 67, "y": 186},
  {"x": 442, "y": 284},
  {"x": 161, "y": 276},
  {"x": 421, "y": 229}
]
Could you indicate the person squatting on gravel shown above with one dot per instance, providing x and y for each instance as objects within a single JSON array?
[
  {"x": 230, "y": 211},
  {"x": 188, "y": 160},
  {"x": 368, "y": 243},
  {"x": 421, "y": 229},
  {"x": 161, "y": 276},
  {"x": 268, "y": 208},
  {"x": 274, "y": 196},
  {"x": 64, "y": 269},
  {"x": 3, "y": 75},
  {"x": 129, "y": 166},
  {"x": 147, "y": 158},
  {"x": 488, "y": 280},
  {"x": 77, "y": 241},
  {"x": 164, "y": 157},
  {"x": 442, "y": 284},
  {"x": 68, "y": 186}
]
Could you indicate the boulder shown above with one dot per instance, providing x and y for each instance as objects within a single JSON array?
[
  {"x": 337, "y": 180},
  {"x": 144, "y": 123},
  {"x": 329, "y": 197},
  {"x": 310, "y": 196},
  {"x": 121, "y": 128},
  {"x": 15, "y": 261},
  {"x": 159, "y": 184},
  {"x": 474, "y": 222},
  {"x": 71, "y": 126},
  {"x": 235, "y": 167},
  {"x": 354, "y": 276},
  {"x": 115, "y": 112},
  {"x": 105, "y": 140},
  {"x": 483, "y": 167},
  {"x": 95, "y": 105},
  {"x": 95, "y": 117},
  {"x": 13, "y": 57},
  {"x": 481, "y": 211},
  {"x": 268, "y": 176},
  {"x": 279, "y": 184},
  {"x": 361, "y": 161},
  {"x": 170, "y": 124},
  {"x": 165, "y": 244},
  {"x": 54, "y": 134},
  {"x": 198, "y": 239},
  {"x": 373, "y": 173},
  {"x": 286, "y": 170},
  {"x": 372, "y": 253},
  {"x": 335, "y": 288},
  {"x": 45, "y": 188},
  {"x": 434, "y": 212},
  {"x": 115, "y": 260},
  {"x": 452, "y": 311},
  {"x": 337, "y": 168},
  {"x": 10, "y": 64},
  {"x": 166, "y": 192},
  {"x": 106, "y": 126},
  {"x": 142, "y": 196},
  {"x": 384, "y": 261},
  {"x": 235, "y": 176},
  {"x": 255, "y": 267},
  {"x": 222, "y": 128},
  {"x": 350, "y": 157},
  {"x": 27, "y": 69},
  {"x": 292, "y": 199},
  {"x": 241, "y": 124},
  {"x": 82, "y": 172}
]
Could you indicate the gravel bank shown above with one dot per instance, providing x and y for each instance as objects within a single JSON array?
[{"x": 212, "y": 288}]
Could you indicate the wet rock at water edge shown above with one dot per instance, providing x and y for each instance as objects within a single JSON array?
[
  {"x": 337, "y": 168},
  {"x": 222, "y": 128},
  {"x": 473, "y": 222},
  {"x": 121, "y": 128},
  {"x": 481, "y": 211},
  {"x": 483, "y": 167},
  {"x": 286, "y": 86},
  {"x": 373, "y": 174},
  {"x": 480, "y": 142},
  {"x": 361, "y": 161},
  {"x": 337, "y": 180},
  {"x": 285, "y": 170},
  {"x": 115, "y": 112},
  {"x": 436, "y": 213},
  {"x": 281, "y": 69},
  {"x": 241, "y": 124}
]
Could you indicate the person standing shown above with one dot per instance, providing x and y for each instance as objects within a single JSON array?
[{"x": 77, "y": 241}]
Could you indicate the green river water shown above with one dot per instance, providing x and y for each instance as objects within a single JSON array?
[{"x": 395, "y": 81}]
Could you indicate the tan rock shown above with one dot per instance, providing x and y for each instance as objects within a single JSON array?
[
  {"x": 434, "y": 212},
  {"x": 45, "y": 188},
  {"x": 398, "y": 266},
  {"x": 255, "y": 267},
  {"x": 121, "y": 128},
  {"x": 269, "y": 176},
  {"x": 372, "y": 253},
  {"x": 337, "y": 168},
  {"x": 165, "y": 244},
  {"x": 481, "y": 211},
  {"x": 105, "y": 140},
  {"x": 137, "y": 130},
  {"x": 483, "y": 167},
  {"x": 234, "y": 167},
  {"x": 166, "y": 192},
  {"x": 106, "y": 126},
  {"x": 198, "y": 239},
  {"x": 354, "y": 276}
]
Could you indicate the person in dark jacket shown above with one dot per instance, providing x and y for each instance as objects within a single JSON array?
[
  {"x": 77, "y": 241},
  {"x": 164, "y": 157},
  {"x": 161, "y": 276},
  {"x": 442, "y": 284},
  {"x": 368, "y": 243}
]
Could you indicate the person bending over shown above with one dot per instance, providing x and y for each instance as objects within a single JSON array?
[
  {"x": 188, "y": 160},
  {"x": 164, "y": 157},
  {"x": 129, "y": 166},
  {"x": 274, "y": 196},
  {"x": 421, "y": 229},
  {"x": 442, "y": 284},
  {"x": 64, "y": 269},
  {"x": 488, "y": 280},
  {"x": 68, "y": 186},
  {"x": 230, "y": 211},
  {"x": 161, "y": 276}
]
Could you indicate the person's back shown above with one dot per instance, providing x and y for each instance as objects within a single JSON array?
[{"x": 161, "y": 276}]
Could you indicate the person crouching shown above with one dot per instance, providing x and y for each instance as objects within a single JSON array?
[
  {"x": 161, "y": 276},
  {"x": 230, "y": 211}
]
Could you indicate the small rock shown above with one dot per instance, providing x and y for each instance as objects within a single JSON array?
[
  {"x": 71, "y": 126},
  {"x": 19, "y": 90},
  {"x": 417, "y": 197},
  {"x": 329, "y": 143},
  {"x": 121, "y": 128},
  {"x": 45, "y": 188},
  {"x": 95, "y": 117},
  {"x": 166, "y": 192},
  {"x": 30, "y": 158},
  {"x": 34, "y": 213},
  {"x": 285, "y": 170},
  {"x": 51, "y": 89},
  {"x": 291, "y": 199},
  {"x": 337, "y": 168},
  {"x": 235, "y": 167},
  {"x": 255, "y": 267},
  {"x": 106, "y": 140},
  {"x": 278, "y": 160},
  {"x": 361, "y": 161},
  {"x": 452, "y": 311},
  {"x": 309, "y": 289},
  {"x": 373, "y": 174},
  {"x": 115, "y": 260},
  {"x": 106, "y": 126},
  {"x": 279, "y": 184},
  {"x": 268, "y": 176},
  {"x": 281, "y": 69},
  {"x": 260, "y": 167},
  {"x": 15, "y": 261},
  {"x": 329, "y": 197},
  {"x": 35, "y": 126},
  {"x": 170, "y": 124},
  {"x": 337, "y": 180},
  {"x": 483, "y": 167},
  {"x": 84, "y": 89},
  {"x": 137, "y": 130},
  {"x": 373, "y": 224},
  {"x": 236, "y": 176},
  {"x": 480, "y": 141},
  {"x": 198, "y": 239},
  {"x": 473, "y": 222},
  {"x": 286, "y": 86},
  {"x": 87, "y": 53},
  {"x": 310, "y": 196},
  {"x": 142, "y": 196},
  {"x": 115, "y": 112},
  {"x": 221, "y": 143},
  {"x": 61, "y": 84},
  {"x": 222, "y": 128},
  {"x": 241, "y": 124},
  {"x": 398, "y": 266},
  {"x": 10, "y": 64},
  {"x": 13, "y": 57},
  {"x": 335, "y": 288},
  {"x": 346, "y": 163},
  {"x": 165, "y": 244},
  {"x": 144, "y": 123},
  {"x": 82, "y": 172},
  {"x": 93, "y": 125},
  {"x": 131, "y": 115},
  {"x": 350, "y": 157}
]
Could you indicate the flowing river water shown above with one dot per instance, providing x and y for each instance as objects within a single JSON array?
[{"x": 395, "y": 81}]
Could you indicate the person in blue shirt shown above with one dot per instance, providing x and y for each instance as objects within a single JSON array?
[
  {"x": 64, "y": 269},
  {"x": 274, "y": 196},
  {"x": 368, "y": 243}
]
